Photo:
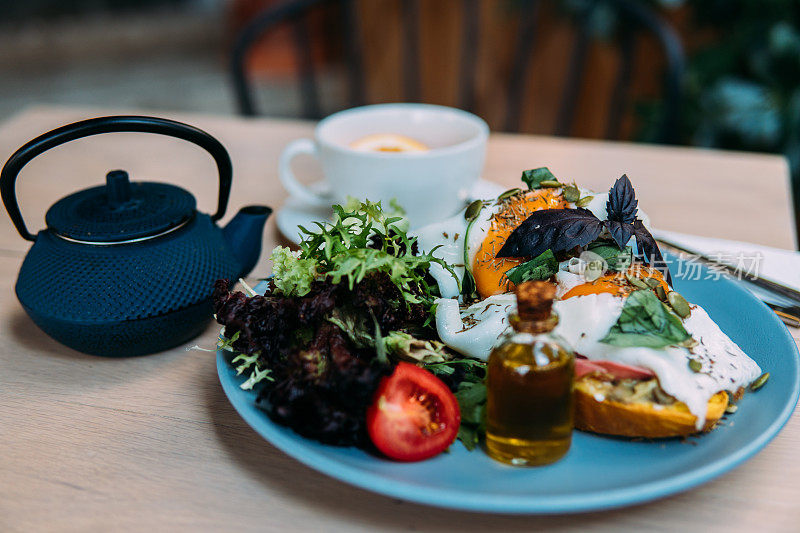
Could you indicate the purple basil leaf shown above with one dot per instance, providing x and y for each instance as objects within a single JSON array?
[
  {"x": 621, "y": 232},
  {"x": 649, "y": 251},
  {"x": 622, "y": 203},
  {"x": 552, "y": 229}
]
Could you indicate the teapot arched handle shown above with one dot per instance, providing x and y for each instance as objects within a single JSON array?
[{"x": 95, "y": 126}]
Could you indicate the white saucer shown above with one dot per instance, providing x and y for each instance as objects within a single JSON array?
[{"x": 296, "y": 213}]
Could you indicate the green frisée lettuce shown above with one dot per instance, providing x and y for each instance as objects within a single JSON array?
[
  {"x": 362, "y": 239},
  {"x": 292, "y": 275},
  {"x": 406, "y": 271},
  {"x": 376, "y": 212},
  {"x": 257, "y": 374},
  {"x": 245, "y": 362}
]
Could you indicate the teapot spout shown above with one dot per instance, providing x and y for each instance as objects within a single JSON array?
[{"x": 244, "y": 235}]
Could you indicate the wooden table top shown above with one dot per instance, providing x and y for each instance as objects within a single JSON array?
[{"x": 151, "y": 443}]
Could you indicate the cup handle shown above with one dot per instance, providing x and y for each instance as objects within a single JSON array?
[{"x": 290, "y": 183}]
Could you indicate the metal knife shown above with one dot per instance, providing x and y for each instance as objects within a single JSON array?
[{"x": 790, "y": 314}]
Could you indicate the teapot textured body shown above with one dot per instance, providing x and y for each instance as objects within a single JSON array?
[{"x": 128, "y": 268}]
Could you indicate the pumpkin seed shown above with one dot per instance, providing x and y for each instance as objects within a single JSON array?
[
  {"x": 731, "y": 409},
  {"x": 571, "y": 193},
  {"x": 583, "y": 202},
  {"x": 652, "y": 283},
  {"x": 758, "y": 383},
  {"x": 552, "y": 184},
  {"x": 662, "y": 397},
  {"x": 679, "y": 304},
  {"x": 662, "y": 295},
  {"x": 473, "y": 210},
  {"x": 509, "y": 193},
  {"x": 689, "y": 343},
  {"x": 636, "y": 282},
  {"x": 695, "y": 365}
]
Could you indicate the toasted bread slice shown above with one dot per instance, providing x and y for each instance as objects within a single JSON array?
[{"x": 638, "y": 418}]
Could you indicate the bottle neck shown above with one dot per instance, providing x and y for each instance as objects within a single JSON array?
[{"x": 522, "y": 324}]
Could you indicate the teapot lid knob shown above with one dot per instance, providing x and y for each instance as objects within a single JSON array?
[{"x": 118, "y": 187}]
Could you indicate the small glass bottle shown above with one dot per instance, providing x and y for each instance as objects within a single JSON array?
[{"x": 530, "y": 375}]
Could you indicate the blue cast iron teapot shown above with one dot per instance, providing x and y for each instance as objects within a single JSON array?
[{"x": 128, "y": 268}]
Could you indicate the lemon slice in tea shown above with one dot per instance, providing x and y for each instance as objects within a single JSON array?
[{"x": 387, "y": 142}]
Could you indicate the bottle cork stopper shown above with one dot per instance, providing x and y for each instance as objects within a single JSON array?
[{"x": 535, "y": 300}]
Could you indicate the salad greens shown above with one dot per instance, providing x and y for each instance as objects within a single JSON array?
[
  {"x": 646, "y": 321},
  {"x": 471, "y": 398},
  {"x": 541, "y": 267},
  {"x": 366, "y": 240},
  {"x": 403, "y": 346},
  {"x": 336, "y": 318},
  {"x": 534, "y": 178},
  {"x": 470, "y": 392},
  {"x": 399, "y": 344},
  {"x": 246, "y": 362},
  {"x": 616, "y": 259},
  {"x": 292, "y": 274}
]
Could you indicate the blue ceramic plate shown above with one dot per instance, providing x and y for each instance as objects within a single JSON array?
[{"x": 598, "y": 472}]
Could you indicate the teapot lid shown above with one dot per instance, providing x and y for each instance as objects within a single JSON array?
[{"x": 120, "y": 211}]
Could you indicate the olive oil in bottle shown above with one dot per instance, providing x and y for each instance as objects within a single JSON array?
[{"x": 530, "y": 374}]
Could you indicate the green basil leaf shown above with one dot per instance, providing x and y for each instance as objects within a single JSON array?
[
  {"x": 473, "y": 371},
  {"x": 537, "y": 175},
  {"x": 469, "y": 436},
  {"x": 539, "y": 268},
  {"x": 645, "y": 321},
  {"x": 618, "y": 260},
  {"x": 472, "y": 404}
]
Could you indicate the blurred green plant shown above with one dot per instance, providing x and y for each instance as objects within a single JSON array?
[
  {"x": 743, "y": 86},
  {"x": 742, "y": 82}
]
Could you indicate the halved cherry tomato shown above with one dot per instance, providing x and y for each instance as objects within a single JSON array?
[{"x": 413, "y": 415}]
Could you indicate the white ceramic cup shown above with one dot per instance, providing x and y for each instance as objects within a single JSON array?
[{"x": 430, "y": 185}]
